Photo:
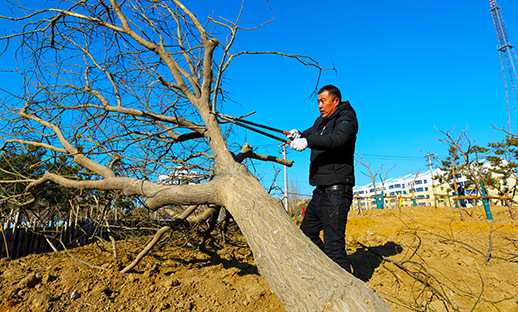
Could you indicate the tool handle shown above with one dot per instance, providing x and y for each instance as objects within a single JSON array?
[
  {"x": 262, "y": 132},
  {"x": 253, "y": 123},
  {"x": 235, "y": 121}
]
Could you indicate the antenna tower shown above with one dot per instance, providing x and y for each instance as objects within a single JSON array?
[{"x": 507, "y": 60}]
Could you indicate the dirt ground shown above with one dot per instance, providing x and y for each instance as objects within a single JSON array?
[{"x": 417, "y": 258}]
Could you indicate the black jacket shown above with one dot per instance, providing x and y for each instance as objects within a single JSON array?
[{"x": 332, "y": 141}]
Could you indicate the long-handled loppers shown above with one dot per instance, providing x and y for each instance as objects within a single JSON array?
[{"x": 248, "y": 125}]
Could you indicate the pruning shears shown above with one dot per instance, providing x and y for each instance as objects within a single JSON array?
[{"x": 239, "y": 121}]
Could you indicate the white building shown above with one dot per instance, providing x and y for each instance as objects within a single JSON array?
[
  {"x": 177, "y": 176},
  {"x": 420, "y": 187}
]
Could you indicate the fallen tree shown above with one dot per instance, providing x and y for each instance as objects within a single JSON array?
[{"x": 128, "y": 91}]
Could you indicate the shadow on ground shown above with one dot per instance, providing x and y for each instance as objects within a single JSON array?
[{"x": 366, "y": 259}]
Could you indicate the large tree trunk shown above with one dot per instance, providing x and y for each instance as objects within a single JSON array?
[
  {"x": 116, "y": 112},
  {"x": 303, "y": 277}
]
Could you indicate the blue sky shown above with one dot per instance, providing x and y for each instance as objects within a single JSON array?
[{"x": 407, "y": 67}]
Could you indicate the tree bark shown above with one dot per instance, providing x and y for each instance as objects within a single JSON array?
[{"x": 303, "y": 277}]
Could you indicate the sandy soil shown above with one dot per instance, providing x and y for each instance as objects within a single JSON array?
[{"x": 418, "y": 259}]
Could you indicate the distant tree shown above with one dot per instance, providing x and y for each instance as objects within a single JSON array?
[
  {"x": 450, "y": 173},
  {"x": 472, "y": 168},
  {"x": 17, "y": 169},
  {"x": 503, "y": 164},
  {"x": 20, "y": 167},
  {"x": 469, "y": 156},
  {"x": 373, "y": 175},
  {"x": 412, "y": 187},
  {"x": 502, "y": 175},
  {"x": 383, "y": 179},
  {"x": 138, "y": 83}
]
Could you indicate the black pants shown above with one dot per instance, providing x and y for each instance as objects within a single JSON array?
[{"x": 328, "y": 211}]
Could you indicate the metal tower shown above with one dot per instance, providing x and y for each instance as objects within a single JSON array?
[{"x": 507, "y": 60}]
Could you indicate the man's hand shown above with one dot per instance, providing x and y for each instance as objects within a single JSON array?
[
  {"x": 299, "y": 144},
  {"x": 294, "y": 134}
]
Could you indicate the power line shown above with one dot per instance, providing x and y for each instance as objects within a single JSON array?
[{"x": 392, "y": 156}]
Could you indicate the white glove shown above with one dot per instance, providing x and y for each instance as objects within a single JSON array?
[
  {"x": 299, "y": 144},
  {"x": 294, "y": 134}
]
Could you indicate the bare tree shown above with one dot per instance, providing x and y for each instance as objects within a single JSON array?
[
  {"x": 138, "y": 82},
  {"x": 379, "y": 199},
  {"x": 383, "y": 183},
  {"x": 471, "y": 154},
  {"x": 411, "y": 186}
]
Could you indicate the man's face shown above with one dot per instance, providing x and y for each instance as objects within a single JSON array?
[{"x": 327, "y": 104}]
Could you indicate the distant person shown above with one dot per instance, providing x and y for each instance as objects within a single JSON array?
[
  {"x": 460, "y": 192},
  {"x": 332, "y": 140}
]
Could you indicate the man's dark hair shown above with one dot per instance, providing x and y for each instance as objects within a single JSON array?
[{"x": 332, "y": 90}]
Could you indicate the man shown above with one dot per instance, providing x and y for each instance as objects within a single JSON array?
[{"x": 332, "y": 140}]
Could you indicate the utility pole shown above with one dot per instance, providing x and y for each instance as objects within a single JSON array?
[
  {"x": 429, "y": 156},
  {"x": 285, "y": 179},
  {"x": 507, "y": 61}
]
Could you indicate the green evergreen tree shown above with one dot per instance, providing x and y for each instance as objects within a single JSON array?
[{"x": 503, "y": 165}]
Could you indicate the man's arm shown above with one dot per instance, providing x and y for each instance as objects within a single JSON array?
[{"x": 343, "y": 134}]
